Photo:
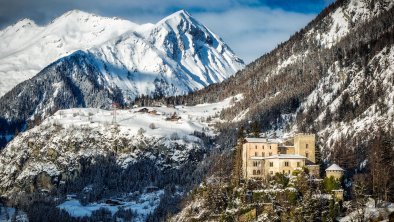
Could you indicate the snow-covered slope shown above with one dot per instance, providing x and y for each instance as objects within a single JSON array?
[
  {"x": 354, "y": 104},
  {"x": 176, "y": 56},
  {"x": 175, "y": 46},
  {"x": 168, "y": 136},
  {"x": 347, "y": 18},
  {"x": 26, "y": 48}
]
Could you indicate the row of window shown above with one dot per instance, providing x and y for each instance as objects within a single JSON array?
[
  {"x": 271, "y": 172},
  {"x": 271, "y": 164},
  {"x": 256, "y": 163},
  {"x": 263, "y": 147},
  {"x": 270, "y": 154},
  {"x": 262, "y": 154},
  {"x": 256, "y": 172},
  {"x": 306, "y": 146}
]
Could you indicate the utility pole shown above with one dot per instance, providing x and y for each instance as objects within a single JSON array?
[{"x": 114, "y": 106}]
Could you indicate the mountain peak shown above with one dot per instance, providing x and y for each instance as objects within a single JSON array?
[
  {"x": 177, "y": 17},
  {"x": 23, "y": 23},
  {"x": 182, "y": 13},
  {"x": 75, "y": 14}
]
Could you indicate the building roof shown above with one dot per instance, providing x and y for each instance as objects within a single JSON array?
[
  {"x": 262, "y": 140},
  {"x": 256, "y": 140},
  {"x": 334, "y": 167},
  {"x": 286, "y": 146},
  {"x": 279, "y": 156}
]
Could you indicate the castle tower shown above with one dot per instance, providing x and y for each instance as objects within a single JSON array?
[
  {"x": 304, "y": 145},
  {"x": 334, "y": 171}
]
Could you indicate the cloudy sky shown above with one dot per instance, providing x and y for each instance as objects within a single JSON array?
[{"x": 250, "y": 27}]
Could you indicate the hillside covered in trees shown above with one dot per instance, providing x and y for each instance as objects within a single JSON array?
[{"x": 333, "y": 78}]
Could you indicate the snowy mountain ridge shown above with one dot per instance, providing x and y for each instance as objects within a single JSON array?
[
  {"x": 170, "y": 137},
  {"x": 27, "y": 48}
]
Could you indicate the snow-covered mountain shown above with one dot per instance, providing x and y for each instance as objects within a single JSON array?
[
  {"x": 156, "y": 150},
  {"x": 167, "y": 135},
  {"x": 26, "y": 48},
  {"x": 176, "y": 56},
  {"x": 333, "y": 78},
  {"x": 178, "y": 49},
  {"x": 106, "y": 60}
]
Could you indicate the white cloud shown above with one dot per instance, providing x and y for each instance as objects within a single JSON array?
[{"x": 251, "y": 32}]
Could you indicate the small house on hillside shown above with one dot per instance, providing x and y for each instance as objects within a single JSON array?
[
  {"x": 334, "y": 171},
  {"x": 173, "y": 117},
  {"x": 143, "y": 110},
  {"x": 152, "y": 112}
]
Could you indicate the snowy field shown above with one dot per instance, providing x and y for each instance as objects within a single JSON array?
[
  {"x": 181, "y": 121},
  {"x": 154, "y": 121},
  {"x": 165, "y": 135},
  {"x": 141, "y": 207}
]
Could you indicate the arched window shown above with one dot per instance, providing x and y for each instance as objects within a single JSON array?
[
  {"x": 254, "y": 172},
  {"x": 258, "y": 172}
]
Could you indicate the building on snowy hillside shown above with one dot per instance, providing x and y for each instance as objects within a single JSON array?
[
  {"x": 334, "y": 171},
  {"x": 262, "y": 156}
]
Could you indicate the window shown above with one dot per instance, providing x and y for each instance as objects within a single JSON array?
[
  {"x": 263, "y": 146},
  {"x": 289, "y": 171},
  {"x": 254, "y": 172},
  {"x": 306, "y": 146},
  {"x": 298, "y": 164},
  {"x": 271, "y": 172},
  {"x": 307, "y": 155},
  {"x": 269, "y": 154},
  {"x": 255, "y": 146},
  {"x": 286, "y": 164},
  {"x": 271, "y": 164},
  {"x": 255, "y": 154},
  {"x": 262, "y": 154},
  {"x": 258, "y": 172},
  {"x": 270, "y": 147},
  {"x": 255, "y": 163}
]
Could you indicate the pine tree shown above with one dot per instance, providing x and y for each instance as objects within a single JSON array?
[
  {"x": 255, "y": 129},
  {"x": 237, "y": 158}
]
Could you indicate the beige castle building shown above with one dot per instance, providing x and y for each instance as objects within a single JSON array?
[{"x": 262, "y": 157}]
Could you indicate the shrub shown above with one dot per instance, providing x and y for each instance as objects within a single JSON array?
[
  {"x": 174, "y": 136},
  {"x": 141, "y": 131},
  {"x": 281, "y": 179},
  {"x": 152, "y": 126},
  {"x": 330, "y": 183}
]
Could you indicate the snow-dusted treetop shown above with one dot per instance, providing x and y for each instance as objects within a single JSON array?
[{"x": 175, "y": 46}]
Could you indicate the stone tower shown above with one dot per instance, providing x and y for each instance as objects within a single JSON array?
[{"x": 304, "y": 145}]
